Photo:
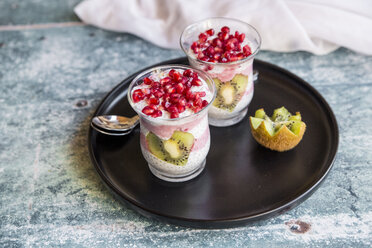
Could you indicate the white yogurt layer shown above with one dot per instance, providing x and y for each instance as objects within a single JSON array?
[{"x": 193, "y": 162}]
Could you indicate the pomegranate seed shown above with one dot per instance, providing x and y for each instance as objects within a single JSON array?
[
  {"x": 177, "y": 76},
  {"x": 210, "y": 32},
  {"x": 190, "y": 96},
  {"x": 138, "y": 95},
  {"x": 147, "y": 81},
  {"x": 196, "y": 96},
  {"x": 158, "y": 94},
  {"x": 153, "y": 100},
  {"x": 165, "y": 80},
  {"x": 154, "y": 107},
  {"x": 218, "y": 50},
  {"x": 233, "y": 58},
  {"x": 204, "y": 103},
  {"x": 226, "y": 55},
  {"x": 238, "y": 47},
  {"x": 202, "y": 37},
  {"x": 197, "y": 50},
  {"x": 197, "y": 102},
  {"x": 194, "y": 45},
  {"x": 157, "y": 113},
  {"x": 171, "y": 73},
  {"x": 182, "y": 101},
  {"x": 169, "y": 88},
  {"x": 196, "y": 82},
  {"x": 240, "y": 56},
  {"x": 136, "y": 98},
  {"x": 188, "y": 73},
  {"x": 223, "y": 60},
  {"x": 225, "y": 29},
  {"x": 165, "y": 104},
  {"x": 210, "y": 67},
  {"x": 174, "y": 115},
  {"x": 201, "y": 55},
  {"x": 217, "y": 56},
  {"x": 148, "y": 110},
  {"x": 175, "y": 98},
  {"x": 180, "y": 108},
  {"x": 212, "y": 60},
  {"x": 195, "y": 75},
  {"x": 204, "y": 45},
  {"x": 210, "y": 50},
  {"x": 197, "y": 109},
  {"x": 223, "y": 36},
  {"x": 241, "y": 37},
  {"x": 247, "y": 50},
  {"x": 229, "y": 46},
  {"x": 138, "y": 91},
  {"x": 172, "y": 109},
  {"x": 180, "y": 88},
  {"x": 216, "y": 42},
  {"x": 236, "y": 34},
  {"x": 184, "y": 80}
]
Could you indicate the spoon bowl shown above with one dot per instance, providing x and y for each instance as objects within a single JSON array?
[{"x": 114, "y": 124}]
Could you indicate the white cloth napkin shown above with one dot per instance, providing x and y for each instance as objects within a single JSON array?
[{"x": 317, "y": 26}]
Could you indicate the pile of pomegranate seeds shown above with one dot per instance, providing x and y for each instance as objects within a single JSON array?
[
  {"x": 171, "y": 93},
  {"x": 223, "y": 48}
]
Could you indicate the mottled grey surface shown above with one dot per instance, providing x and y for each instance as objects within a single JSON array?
[
  {"x": 16, "y": 12},
  {"x": 51, "y": 196}
]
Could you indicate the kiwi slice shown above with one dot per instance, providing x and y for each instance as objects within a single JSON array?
[
  {"x": 229, "y": 93},
  {"x": 175, "y": 150},
  {"x": 280, "y": 132}
]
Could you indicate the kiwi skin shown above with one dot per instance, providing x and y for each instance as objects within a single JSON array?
[{"x": 281, "y": 141}]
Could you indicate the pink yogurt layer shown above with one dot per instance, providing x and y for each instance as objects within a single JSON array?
[
  {"x": 249, "y": 91},
  {"x": 229, "y": 73},
  {"x": 166, "y": 131}
]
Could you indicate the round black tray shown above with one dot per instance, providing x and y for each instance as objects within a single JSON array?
[{"x": 242, "y": 181}]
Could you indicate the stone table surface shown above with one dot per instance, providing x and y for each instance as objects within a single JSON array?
[{"x": 52, "y": 78}]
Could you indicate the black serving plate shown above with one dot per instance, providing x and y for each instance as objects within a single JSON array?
[{"x": 242, "y": 181}]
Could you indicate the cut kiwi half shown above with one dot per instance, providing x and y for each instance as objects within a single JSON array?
[
  {"x": 229, "y": 93},
  {"x": 175, "y": 150},
  {"x": 280, "y": 132}
]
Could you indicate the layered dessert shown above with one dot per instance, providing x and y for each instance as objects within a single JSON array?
[
  {"x": 226, "y": 54},
  {"x": 172, "y": 102}
]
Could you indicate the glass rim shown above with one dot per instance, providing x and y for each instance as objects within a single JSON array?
[
  {"x": 218, "y": 63},
  {"x": 170, "y": 66}
]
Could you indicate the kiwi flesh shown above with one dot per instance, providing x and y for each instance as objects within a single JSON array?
[
  {"x": 175, "y": 150},
  {"x": 282, "y": 131},
  {"x": 229, "y": 93},
  {"x": 281, "y": 117}
]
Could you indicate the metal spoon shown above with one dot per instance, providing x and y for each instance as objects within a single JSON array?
[{"x": 114, "y": 124}]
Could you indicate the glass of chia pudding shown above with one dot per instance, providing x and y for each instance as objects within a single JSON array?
[
  {"x": 225, "y": 49},
  {"x": 172, "y": 102}
]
